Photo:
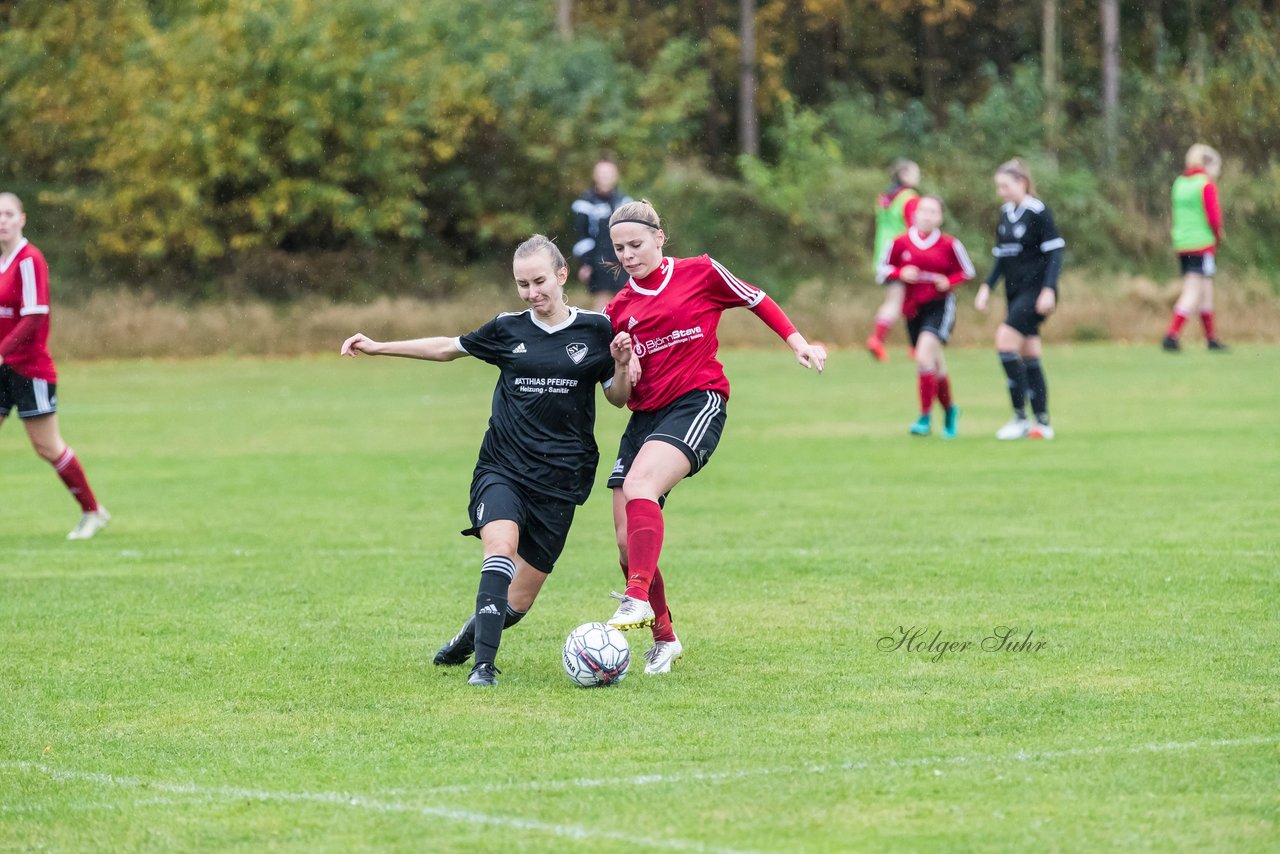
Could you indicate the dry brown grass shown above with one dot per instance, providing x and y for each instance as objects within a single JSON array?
[{"x": 126, "y": 325}]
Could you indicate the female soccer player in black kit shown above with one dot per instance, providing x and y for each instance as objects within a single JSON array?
[
  {"x": 1028, "y": 255},
  {"x": 538, "y": 458}
]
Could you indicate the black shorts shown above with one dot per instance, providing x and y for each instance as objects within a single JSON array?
[
  {"x": 32, "y": 398},
  {"x": 937, "y": 316},
  {"x": 1205, "y": 264},
  {"x": 692, "y": 422},
  {"x": 544, "y": 521},
  {"x": 1022, "y": 314}
]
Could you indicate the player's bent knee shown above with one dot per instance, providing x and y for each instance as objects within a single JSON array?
[{"x": 46, "y": 452}]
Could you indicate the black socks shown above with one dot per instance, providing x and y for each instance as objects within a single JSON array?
[
  {"x": 1016, "y": 370},
  {"x": 491, "y": 606},
  {"x": 1037, "y": 390}
]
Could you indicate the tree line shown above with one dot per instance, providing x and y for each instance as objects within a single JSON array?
[{"x": 174, "y": 136}]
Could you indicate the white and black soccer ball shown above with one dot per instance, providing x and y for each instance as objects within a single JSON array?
[{"x": 596, "y": 654}]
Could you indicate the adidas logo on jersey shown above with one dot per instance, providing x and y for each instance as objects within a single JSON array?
[
  {"x": 489, "y": 609},
  {"x": 631, "y": 324},
  {"x": 577, "y": 352},
  {"x": 520, "y": 348}
]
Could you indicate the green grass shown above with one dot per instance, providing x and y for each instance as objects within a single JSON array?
[{"x": 246, "y": 650}]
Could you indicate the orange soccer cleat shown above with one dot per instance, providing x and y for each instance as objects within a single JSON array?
[{"x": 876, "y": 348}]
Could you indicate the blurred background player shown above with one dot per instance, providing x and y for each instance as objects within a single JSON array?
[
  {"x": 28, "y": 378},
  {"x": 930, "y": 264},
  {"x": 1197, "y": 231},
  {"x": 895, "y": 212},
  {"x": 591, "y": 212},
  {"x": 1028, "y": 255},
  {"x": 671, "y": 307},
  {"x": 538, "y": 458}
]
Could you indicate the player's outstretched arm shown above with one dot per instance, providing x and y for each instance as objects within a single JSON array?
[
  {"x": 808, "y": 355},
  {"x": 626, "y": 370},
  {"x": 437, "y": 349}
]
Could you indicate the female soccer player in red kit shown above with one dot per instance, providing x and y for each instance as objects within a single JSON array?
[
  {"x": 930, "y": 264},
  {"x": 671, "y": 307},
  {"x": 28, "y": 379}
]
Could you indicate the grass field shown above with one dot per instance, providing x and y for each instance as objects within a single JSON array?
[{"x": 242, "y": 661}]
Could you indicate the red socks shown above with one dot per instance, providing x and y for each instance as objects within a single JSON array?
[
  {"x": 662, "y": 628},
  {"x": 928, "y": 390},
  {"x": 644, "y": 544},
  {"x": 1175, "y": 325},
  {"x": 72, "y": 474},
  {"x": 944, "y": 391},
  {"x": 1206, "y": 318},
  {"x": 882, "y": 329}
]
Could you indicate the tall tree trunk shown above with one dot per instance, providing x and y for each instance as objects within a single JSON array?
[
  {"x": 748, "y": 121},
  {"x": 714, "y": 119},
  {"x": 931, "y": 67},
  {"x": 1049, "y": 52},
  {"x": 1111, "y": 76},
  {"x": 1156, "y": 33},
  {"x": 564, "y": 18},
  {"x": 1196, "y": 42}
]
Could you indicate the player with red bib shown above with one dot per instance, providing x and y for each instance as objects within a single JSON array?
[
  {"x": 930, "y": 264},
  {"x": 671, "y": 307},
  {"x": 28, "y": 379}
]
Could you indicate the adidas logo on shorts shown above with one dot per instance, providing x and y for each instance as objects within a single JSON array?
[{"x": 488, "y": 609}]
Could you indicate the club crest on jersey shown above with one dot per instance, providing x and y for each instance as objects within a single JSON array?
[
  {"x": 577, "y": 352},
  {"x": 906, "y": 256},
  {"x": 1019, "y": 230}
]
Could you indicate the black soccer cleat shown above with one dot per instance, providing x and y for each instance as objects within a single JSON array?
[
  {"x": 484, "y": 675},
  {"x": 459, "y": 649},
  {"x": 1215, "y": 344},
  {"x": 1171, "y": 344}
]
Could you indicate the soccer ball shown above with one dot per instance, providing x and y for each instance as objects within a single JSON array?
[{"x": 596, "y": 654}]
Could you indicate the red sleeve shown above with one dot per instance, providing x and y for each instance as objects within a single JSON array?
[
  {"x": 728, "y": 291},
  {"x": 890, "y": 267},
  {"x": 22, "y": 334},
  {"x": 34, "y": 273},
  {"x": 1211, "y": 209},
  {"x": 909, "y": 210},
  {"x": 774, "y": 317},
  {"x": 962, "y": 267}
]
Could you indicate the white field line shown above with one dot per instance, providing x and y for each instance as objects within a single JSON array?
[
  {"x": 359, "y": 802},
  {"x": 935, "y": 762}
]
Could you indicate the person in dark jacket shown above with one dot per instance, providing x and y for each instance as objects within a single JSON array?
[{"x": 592, "y": 247}]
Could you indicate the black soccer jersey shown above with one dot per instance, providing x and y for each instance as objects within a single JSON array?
[
  {"x": 542, "y": 428},
  {"x": 1026, "y": 242}
]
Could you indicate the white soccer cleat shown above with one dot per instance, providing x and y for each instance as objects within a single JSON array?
[
  {"x": 90, "y": 524},
  {"x": 1041, "y": 431},
  {"x": 1017, "y": 428},
  {"x": 662, "y": 655},
  {"x": 631, "y": 613}
]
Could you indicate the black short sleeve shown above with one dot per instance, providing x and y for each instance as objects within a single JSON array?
[{"x": 486, "y": 343}]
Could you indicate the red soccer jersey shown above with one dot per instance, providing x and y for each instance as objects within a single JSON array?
[
  {"x": 937, "y": 253},
  {"x": 24, "y": 293},
  {"x": 672, "y": 315}
]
